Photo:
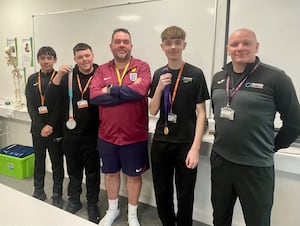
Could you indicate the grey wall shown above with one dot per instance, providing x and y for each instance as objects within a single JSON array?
[{"x": 276, "y": 24}]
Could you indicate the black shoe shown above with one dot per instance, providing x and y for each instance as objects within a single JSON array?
[
  {"x": 73, "y": 207},
  {"x": 41, "y": 195},
  {"x": 57, "y": 201},
  {"x": 93, "y": 213}
]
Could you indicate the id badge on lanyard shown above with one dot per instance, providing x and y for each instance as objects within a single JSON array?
[
  {"x": 82, "y": 104},
  {"x": 227, "y": 113},
  {"x": 169, "y": 115},
  {"x": 43, "y": 110},
  {"x": 172, "y": 117}
]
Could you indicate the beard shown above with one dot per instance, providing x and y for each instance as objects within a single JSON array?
[{"x": 122, "y": 56}]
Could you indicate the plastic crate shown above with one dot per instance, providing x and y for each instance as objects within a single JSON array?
[
  {"x": 17, "y": 150},
  {"x": 18, "y": 167}
]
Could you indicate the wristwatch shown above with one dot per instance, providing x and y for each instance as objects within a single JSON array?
[{"x": 108, "y": 88}]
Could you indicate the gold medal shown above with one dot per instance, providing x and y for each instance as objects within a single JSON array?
[{"x": 166, "y": 131}]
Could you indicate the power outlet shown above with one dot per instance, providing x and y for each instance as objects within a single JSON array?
[{"x": 10, "y": 113}]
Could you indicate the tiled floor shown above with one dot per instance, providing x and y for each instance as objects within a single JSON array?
[{"x": 147, "y": 214}]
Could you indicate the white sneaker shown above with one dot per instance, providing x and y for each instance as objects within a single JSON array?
[
  {"x": 133, "y": 221},
  {"x": 109, "y": 217}
]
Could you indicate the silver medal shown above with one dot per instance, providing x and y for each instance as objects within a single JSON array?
[{"x": 71, "y": 124}]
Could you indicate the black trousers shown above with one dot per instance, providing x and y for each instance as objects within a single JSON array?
[
  {"x": 168, "y": 159},
  {"x": 254, "y": 186},
  {"x": 82, "y": 155},
  {"x": 40, "y": 146}
]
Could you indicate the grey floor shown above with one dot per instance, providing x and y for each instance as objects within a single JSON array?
[{"x": 146, "y": 214}]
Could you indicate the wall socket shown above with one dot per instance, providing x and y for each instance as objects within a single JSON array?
[{"x": 10, "y": 113}]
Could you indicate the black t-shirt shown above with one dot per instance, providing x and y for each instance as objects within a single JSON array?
[
  {"x": 87, "y": 119},
  {"x": 192, "y": 89}
]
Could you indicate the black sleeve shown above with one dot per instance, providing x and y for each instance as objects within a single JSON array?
[
  {"x": 154, "y": 83},
  {"x": 32, "y": 105},
  {"x": 55, "y": 93},
  {"x": 288, "y": 106}
]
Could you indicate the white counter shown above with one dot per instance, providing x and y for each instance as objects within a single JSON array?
[
  {"x": 14, "y": 112},
  {"x": 287, "y": 160},
  {"x": 287, "y": 165},
  {"x": 19, "y": 209}
]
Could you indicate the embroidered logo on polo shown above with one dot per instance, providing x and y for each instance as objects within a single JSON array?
[
  {"x": 221, "y": 81},
  {"x": 186, "y": 79},
  {"x": 254, "y": 85},
  {"x": 106, "y": 78},
  {"x": 138, "y": 170},
  {"x": 133, "y": 76}
]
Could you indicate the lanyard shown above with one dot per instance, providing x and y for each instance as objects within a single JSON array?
[
  {"x": 86, "y": 85},
  {"x": 40, "y": 86},
  {"x": 236, "y": 89},
  {"x": 167, "y": 103},
  {"x": 176, "y": 85},
  {"x": 120, "y": 78}
]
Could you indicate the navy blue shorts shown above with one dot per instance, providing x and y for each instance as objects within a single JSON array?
[{"x": 132, "y": 158}]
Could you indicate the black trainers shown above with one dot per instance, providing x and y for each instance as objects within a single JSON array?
[
  {"x": 57, "y": 201},
  {"x": 41, "y": 195},
  {"x": 73, "y": 207},
  {"x": 93, "y": 212}
]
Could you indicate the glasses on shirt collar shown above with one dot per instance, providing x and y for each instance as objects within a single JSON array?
[{"x": 175, "y": 42}]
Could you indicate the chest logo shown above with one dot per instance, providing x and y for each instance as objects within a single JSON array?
[
  {"x": 133, "y": 76},
  {"x": 187, "y": 79},
  {"x": 254, "y": 85},
  {"x": 220, "y": 81}
]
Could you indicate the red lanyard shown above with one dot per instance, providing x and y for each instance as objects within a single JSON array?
[
  {"x": 86, "y": 85},
  {"x": 236, "y": 89},
  {"x": 40, "y": 86}
]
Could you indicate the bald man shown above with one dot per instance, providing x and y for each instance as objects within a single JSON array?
[{"x": 246, "y": 94}]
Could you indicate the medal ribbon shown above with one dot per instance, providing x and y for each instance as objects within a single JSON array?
[
  {"x": 86, "y": 85},
  {"x": 70, "y": 92},
  {"x": 166, "y": 103},
  {"x": 120, "y": 78},
  {"x": 40, "y": 86}
]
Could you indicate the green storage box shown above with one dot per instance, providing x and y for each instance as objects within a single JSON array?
[{"x": 17, "y": 167}]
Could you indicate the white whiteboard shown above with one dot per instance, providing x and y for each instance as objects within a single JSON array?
[
  {"x": 144, "y": 20},
  {"x": 277, "y": 26}
]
